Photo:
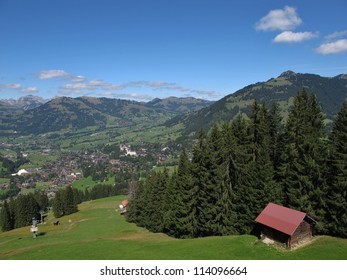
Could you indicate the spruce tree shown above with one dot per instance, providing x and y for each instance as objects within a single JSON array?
[
  {"x": 303, "y": 156},
  {"x": 6, "y": 222},
  {"x": 229, "y": 173},
  {"x": 42, "y": 199},
  {"x": 180, "y": 218},
  {"x": 216, "y": 184},
  {"x": 58, "y": 204},
  {"x": 156, "y": 186},
  {"x": 241, "y": 175},
  {"x": 263, "y": 186},
  {"x": 69, "y": 201},
  {"x": 136, "y": 208},
  {"x": 26, "y": 208},
  {"x": 203, "y": 169},
  {"x": 337, "y": 180},
  {"x": 276, "y": 132},
  {"x": 12, "y": 209},
  {"x": 173, "y": 202}
]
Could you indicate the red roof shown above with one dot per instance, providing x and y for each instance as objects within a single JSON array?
[{"x": 281, "y": 218}]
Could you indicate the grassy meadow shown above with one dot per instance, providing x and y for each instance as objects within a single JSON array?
[{"x": 99, "y": 232}]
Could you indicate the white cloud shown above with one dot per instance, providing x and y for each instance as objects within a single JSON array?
[
  {"x": 158, "y": 85},
  {"x": 30, "y": 90},
  {"x": 77, "y": 79},
  {"x": 338, "y": 46},
  {"x": 50, "y": 74},
  {"x": 76, "y": 88},
  {"x": 130, "y": 96},
  {"x": 104, "y": 85},
  {"x": 294, "y": 37},
  {"x": 19, "y": 88},
  {"x": 281, "y": 19},
  {"x": 80, "y": 87},
  {"x": 96, "y": 85},
  {"x": 134, "y": 96},
  {"x": 10, "y": 86},
  {"x": 335, "y": 35}
]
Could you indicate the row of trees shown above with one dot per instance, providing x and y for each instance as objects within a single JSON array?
[
  {"x": 18, "y": 212},
  {"x": 241, "y": 166},
  {"x": 66, "y": 200}
]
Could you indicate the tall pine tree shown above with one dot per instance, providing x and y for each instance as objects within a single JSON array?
[
  {"x": 240, "y": 175},
  {"x": 136, "y": 208},
  {"x": 337, "y": 178},
  {"x": 229, "y": 180},
  {"x": 156, "y": 186},
  {"x": 303, "y": 157},
  {"x": 204, "y": 178},
  {"x": 25, "y": 209},
  {"x": 180, "y": 218},
  {"x": 69, "y": 201},
  {"x": 263, "y": 187},
  {"x": 58, "y": 204},
  {"x": 6, "y": 222},
  {"x": 276, "y": 133}
]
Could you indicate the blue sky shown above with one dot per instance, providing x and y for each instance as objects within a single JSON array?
[{"x": 142, "y": 49}]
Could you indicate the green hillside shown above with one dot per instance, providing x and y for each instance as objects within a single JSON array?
[
  {"x": 7, "y": 115},
  {"x": 77, "y": 113},
  {"x": 99, "y": 232},
  {"x": 331, "y": 93},
  {"x": 69, "y": 114},
  {"x": 180, "y": 105}
]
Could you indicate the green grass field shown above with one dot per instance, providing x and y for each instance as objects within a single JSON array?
[
  {"x": 88, "y": 182},
  {"x": 99, "y": 232},
  {"x": 83, "y": 183},
  {"x": 4, "y": 180}
]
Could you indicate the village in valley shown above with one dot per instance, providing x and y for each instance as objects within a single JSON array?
[{"x": 61, "y": 169}]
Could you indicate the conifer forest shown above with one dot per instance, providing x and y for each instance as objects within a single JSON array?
[{"x": 238, "y": 167}]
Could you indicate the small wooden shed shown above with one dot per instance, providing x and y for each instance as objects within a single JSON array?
[{"x": 285, "y": 225}]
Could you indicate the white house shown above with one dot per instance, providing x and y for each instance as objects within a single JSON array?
[{"x": 20, "y": 173}]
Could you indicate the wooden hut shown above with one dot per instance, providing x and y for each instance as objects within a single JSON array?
[{"x": 285, "y": 225}]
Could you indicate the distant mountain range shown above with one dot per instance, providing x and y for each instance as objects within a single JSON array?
[
  {"x": 179, "y": 105},
  {"x": 26, "y": 102},
  {"x": 34, "y": 115},
  {"x": 331, "y": 93}
]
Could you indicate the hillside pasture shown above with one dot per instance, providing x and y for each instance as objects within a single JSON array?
[
  {"x": 83, "y": 183},
  {"x": 99, "y": 232}
]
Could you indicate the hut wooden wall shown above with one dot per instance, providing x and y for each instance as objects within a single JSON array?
[
  {"x": 303, "y": 232},
  {"x": 274, "y": 234}
]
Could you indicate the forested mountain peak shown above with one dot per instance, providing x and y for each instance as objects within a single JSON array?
[
  {"x": 287, "y": 74},
  {"x": 330, "y": 91}
]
